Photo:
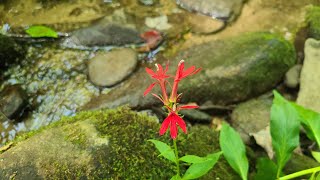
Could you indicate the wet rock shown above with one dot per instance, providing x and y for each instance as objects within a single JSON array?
[
  {"x": 309, "y": 96},
  {"x": 251, "y": 117},
  {"x": 204, "y": 24},
  {"x": 13, "y": 102},
  {"x": 159, "y": 23},
  {"x": 110, "y": 68},
  {"x": 220, "y": 9},
  {"x": 292, "y": 77},
  {"x": 105, "y": 144},
  {"x": 112, "y": 30},
  {"x": 234, "y": 70},
  {"x": 147, "y": 2},
  {"x": 196, "y": 116},
  {"x": 313, "y": 16},
  {"x": 10, "y": 52}
]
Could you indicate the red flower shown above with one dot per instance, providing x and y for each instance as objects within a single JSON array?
[
  {"x": 160, "y": 76},
  {"x": 173, "y": 120},
  {"x": 180, "y": 74}
]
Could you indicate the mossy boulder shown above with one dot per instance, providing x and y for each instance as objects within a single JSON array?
[
  {"x": 108, "y": 144},
  {"x": 10, "y": 51},
  {"x": 313, "y": 20},
  {"x": 233, "y": 70}
]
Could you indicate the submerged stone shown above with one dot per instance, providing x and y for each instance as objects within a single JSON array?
[
  {"x": 110, "y": 68},
  {"x": 110, "y": 144},
  {"x": 233, "y": 70}
]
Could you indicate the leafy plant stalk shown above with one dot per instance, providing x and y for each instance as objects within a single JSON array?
[
  {"x": 177, "y": 156},
  {"x": 300, "y": 173}
]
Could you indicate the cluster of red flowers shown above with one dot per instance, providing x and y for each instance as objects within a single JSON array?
[{"x": 171, "y": 103}]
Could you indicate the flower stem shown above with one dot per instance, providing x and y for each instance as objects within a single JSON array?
[
  {"x": 300, "y": 173},
  {"x": 177, "y": 156}
]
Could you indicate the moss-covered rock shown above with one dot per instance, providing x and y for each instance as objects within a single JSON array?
[
  {"x": 10, "y": 51},
  {"x": 108, "y": 144},
  {"x": 313, "y": 16},
  {"x": 233, "y": 70}
]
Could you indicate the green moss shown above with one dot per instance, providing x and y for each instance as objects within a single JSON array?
[
  {"x": 125, "y": 155},
  {"x": 313, "y": 19}
]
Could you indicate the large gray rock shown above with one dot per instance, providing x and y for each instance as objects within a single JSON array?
[
  {"x": 233, "y": 70},
  {"x": 309, "y": 79},
  {"x": 114, "y": 30},
  {"x": 110, "y": 68},
  {"x": 251, "y": 117},
  {"x": 220, "y": 9},
  {"x": 105, "y": 145}
]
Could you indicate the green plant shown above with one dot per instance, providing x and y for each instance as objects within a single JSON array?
[{"x": 41, "y": 31}]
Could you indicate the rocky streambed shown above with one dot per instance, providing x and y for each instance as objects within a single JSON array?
[{"x": 246, "y": 51}]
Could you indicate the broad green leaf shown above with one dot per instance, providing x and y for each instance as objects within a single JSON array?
[
  {"x": 165, "y": 150},
  {"x": 41, "y": 31},
  {"x": 284, "y": 128},
  {"x": 193, "y": 159},
  {"x": 197, "y": 170},
  {"x": 316, "y": 155},
  {"x": 176, "y": 177},
  {"x": 267, "y": 169},
  {"x": 234, "y": 150},
  {"x": 310, "y": 121}
]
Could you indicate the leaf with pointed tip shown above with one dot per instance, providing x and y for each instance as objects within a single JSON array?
[
  {"x": 199, "y": 168},
  {"x": 234, "y": 150},
  {"x": 165, "y": 150},
  {"x": 284, "y": 128},
  {"x": 41, "y": 31}
]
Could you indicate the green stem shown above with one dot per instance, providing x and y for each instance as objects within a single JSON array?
[
  {"x": 177, "y": 156},
  {"x": 300, "y": 173}
]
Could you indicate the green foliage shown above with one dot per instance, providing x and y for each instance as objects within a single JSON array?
[
  {"x": 310, "y": 121},
  {"x": 234, "y": 150},
  {"x": 267, "y": 169},
  {"x": 41, "y": 31},
  {"x": 284, "y": 128},
  {"x": 316, "y": 155},
  {"x": 200, "y": 165},
  {"x": 165, "y": 150},
  {"x": 313, "y": 16}
]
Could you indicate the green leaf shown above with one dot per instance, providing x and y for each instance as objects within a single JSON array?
[
  {"x": 165, "y": 150},
  {"x": 234, "y": 150},
  {"x": 267, "y": 169},
  {"x": 192, "y": 159},
  {"x": 284, "y": 128},
  {"x": 176, "y": 177},
  {"x": 199, "y": 169},
  {"x": 316, "y": 155},
  {"x": 310, "y": 121},
  {"x": 41, "y": 31}
]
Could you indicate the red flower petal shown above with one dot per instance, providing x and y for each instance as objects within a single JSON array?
[
  {"x": 148, "y": 89},
  {"x": 165, "y": 125},
  {"x": 173, "y": 129},
  {"x": 188, "y": 72},
  {"x": 150, "y": 71},
  {"x": 181, "y": 123},
  {"x": 188, "y": 107}
]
